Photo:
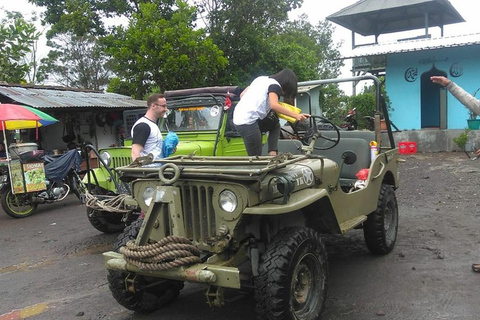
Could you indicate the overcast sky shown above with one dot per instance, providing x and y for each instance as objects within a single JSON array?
[{"x": 319, "y": 9}]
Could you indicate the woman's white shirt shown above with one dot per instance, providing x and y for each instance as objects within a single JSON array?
[{"x": 254, "y": 103}]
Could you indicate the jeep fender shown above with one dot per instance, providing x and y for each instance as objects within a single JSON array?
[
  {"x": 103, "y": 178},
  {"x": 298, "y": 200}
]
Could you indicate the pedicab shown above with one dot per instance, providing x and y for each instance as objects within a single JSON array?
[{"x": 33, "y": 178}]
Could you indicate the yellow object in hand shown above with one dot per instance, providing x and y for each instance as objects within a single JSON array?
[{"x": 290, "y": 107}]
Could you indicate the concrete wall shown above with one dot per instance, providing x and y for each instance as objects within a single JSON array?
[{"x": 436, "y": 140}]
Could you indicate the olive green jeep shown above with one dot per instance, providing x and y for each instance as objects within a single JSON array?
[
  {"x": 202, "y": 120},
  {"x": 254, "y": 222}
]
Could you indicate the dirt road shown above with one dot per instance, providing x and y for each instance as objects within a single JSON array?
[
  {"x": 428, "y": 275},
  {"x": 53, "y": 259}
]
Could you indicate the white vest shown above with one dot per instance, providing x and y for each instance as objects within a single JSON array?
[{"x": 154, "y": 141}]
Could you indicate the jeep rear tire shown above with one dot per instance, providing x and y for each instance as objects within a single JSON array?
[
  {"x": 106, "y": 222},
  {"x": 146, "y": 298},
  {"x": 380, "y": 229},
  {"x": 292, "y": 281}
]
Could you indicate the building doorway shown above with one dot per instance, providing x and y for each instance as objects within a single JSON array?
[{"x": 433, "y": 101}]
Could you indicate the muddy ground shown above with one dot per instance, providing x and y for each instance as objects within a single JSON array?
[
  {"x": 54, "y": 258},
  {"x": 428, "y": 275}
]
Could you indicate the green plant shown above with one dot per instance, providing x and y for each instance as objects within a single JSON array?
[
  {"x": 462, "y": 139},
  {"x": 365, "y": 102}
]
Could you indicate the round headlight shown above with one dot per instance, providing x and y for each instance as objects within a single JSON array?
[
  {"x": 147, "y": 195},
  {"x": 106, "y": 158},
  {"x": 228, "y": 201}
]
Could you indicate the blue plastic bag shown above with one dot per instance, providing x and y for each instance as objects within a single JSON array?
[{"x": 169, "y": 144}]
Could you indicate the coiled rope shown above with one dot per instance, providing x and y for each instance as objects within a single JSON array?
[
  {"x": 113, "y": 204},
  {"x": 170, "y": 252}
]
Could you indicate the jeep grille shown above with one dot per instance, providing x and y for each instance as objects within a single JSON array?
[
  {"x": 120, "y": 162},
  {"x": 198, "y": 212}
]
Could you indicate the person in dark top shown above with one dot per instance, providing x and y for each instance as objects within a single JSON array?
[
  {"x": 146, "y": 136},
  {"x": 3, "y": 152},
  {"x": 260, "y": 101}
]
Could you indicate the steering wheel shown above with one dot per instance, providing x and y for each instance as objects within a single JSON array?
[
  {"x": 299, "y": 130},
  {"x": 311, "y": 130}
]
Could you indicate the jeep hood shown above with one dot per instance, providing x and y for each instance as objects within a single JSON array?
[{"x": 201, "y": 148}]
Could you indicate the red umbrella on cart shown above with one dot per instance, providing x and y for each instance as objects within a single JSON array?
[{"x": 14, "y": 116}]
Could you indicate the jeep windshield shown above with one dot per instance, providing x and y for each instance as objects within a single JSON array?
[
  {"x": 193, "y": 118},
  {"x": 198, "y": 109}
]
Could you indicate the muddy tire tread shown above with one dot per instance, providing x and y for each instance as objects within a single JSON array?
[
  {"x": 373, "y": 228},
  {"x": 141, "y": 301},
  {"x": 271, "y": 287},
  {"x": 104, "y": 226}
]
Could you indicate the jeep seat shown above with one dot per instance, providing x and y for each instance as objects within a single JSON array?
[
  {"x": 286, "y": 146},
  {"x": 357, "y": 142},
  {"x": 359, "y": 147}
]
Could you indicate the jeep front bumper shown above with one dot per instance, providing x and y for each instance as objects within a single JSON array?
[{"x": 214, "y": 275}]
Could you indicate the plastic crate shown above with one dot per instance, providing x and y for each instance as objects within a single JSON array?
[{"x": 407, "y": 147}]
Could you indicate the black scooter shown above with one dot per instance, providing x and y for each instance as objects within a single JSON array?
[{"x": 350, "y": 121}]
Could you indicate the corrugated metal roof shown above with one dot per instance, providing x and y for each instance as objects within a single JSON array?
[
  {"x": 414, "y": 45},
  {"x": 53, "y": 97},
  {"x": 375, "y": 17},
  {"x": 303, "y": 89}
]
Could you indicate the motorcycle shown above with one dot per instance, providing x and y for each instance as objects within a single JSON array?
[
  {"x": 61, "y": 178},
  {"x": 350, "y": 121}
]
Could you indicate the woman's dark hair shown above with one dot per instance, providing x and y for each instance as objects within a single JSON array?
[{"x": 288, "y": 80}]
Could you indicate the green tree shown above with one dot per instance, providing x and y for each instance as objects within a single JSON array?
[
  {"x": 76, "y": 62},
  {"x": 240, "y": 29},
  {"x": 85, "y": 17},
  {"x": 17, "y": 42},
  {"x": 308, "y": 50},
  {"x": 333, "y": 102},
  {"x": 365, "y": 102},
  {"x": 257, "y": 39},
  {"x": 156, "y": 51}
]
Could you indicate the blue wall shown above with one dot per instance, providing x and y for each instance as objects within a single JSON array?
[{"x": 403, "y": 84}]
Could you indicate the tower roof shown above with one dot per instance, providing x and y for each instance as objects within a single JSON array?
[{"x": 375, "y": 17}]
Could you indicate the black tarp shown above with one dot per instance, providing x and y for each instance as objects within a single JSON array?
[{"x": 57, "y": 168}]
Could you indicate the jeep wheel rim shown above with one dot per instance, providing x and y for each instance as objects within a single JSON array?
[{"x": 305, "y": 286}]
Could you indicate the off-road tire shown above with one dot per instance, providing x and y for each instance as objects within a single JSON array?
[
  {"x": 292, "y": 280},
  {"x": 143, "y": 300},
  {"x": 106, "y": 222},
  {"x": 380, "y": 229},
  {"x": 8, "y": 199}
]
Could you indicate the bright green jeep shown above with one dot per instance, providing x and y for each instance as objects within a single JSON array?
[
  {"x": 202, "y": 119},
  {"x": 255, "y": 223}
]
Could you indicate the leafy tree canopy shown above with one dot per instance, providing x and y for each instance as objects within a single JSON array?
[
  {"x": 307, "y": 49},
  {"x": 76, "y": 62},
  {"x": 161, "y": 45},
  {"x": 240, "y": 29},
  {"x": 17, "y": 40},
  {"x": 85, "y": 17},
  {"x": 156, "y": 51},
  {"x": 365, "y": 102}
]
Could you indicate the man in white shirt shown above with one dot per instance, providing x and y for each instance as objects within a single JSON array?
[{"x": 146, "y": 136}]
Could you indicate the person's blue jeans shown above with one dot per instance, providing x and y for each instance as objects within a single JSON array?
[{"x": 252, "y": 137}]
